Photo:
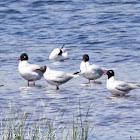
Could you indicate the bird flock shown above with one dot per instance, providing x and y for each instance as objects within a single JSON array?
[{"x": 32, "y": 72}]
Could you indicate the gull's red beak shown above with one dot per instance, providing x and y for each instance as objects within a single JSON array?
[
  {"x": 18, "y": 59},
  {"x": 104, "y": 73}
]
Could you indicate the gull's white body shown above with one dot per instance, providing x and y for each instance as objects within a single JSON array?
[
  {"x": 29, "y": 71},
  {"x": 57, "y": 78},
  {"x": 55, "y": 54},
  {"x": 91, "y": 72},
  {"x": 119, "y": 88}
]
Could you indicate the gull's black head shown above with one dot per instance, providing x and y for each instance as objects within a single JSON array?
[
  {"x": 85, "y": 58},
  {"x": 23, "y": 57},
  {"x": 60, "y": 53},
  {"x": 43, "y": 69},
  {"x": 110, "y": 73}
]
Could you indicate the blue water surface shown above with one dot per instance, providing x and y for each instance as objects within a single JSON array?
[{"x": 109, "y": 31}]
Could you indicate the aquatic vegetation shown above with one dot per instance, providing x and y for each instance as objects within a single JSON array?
[{"x": 18, "y": 126}]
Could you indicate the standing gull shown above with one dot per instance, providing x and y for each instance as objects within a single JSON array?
[
  {"x": 57, "y": 78},
  {"x": 90, "y": 71},
  {"x": 118, "y": 88},
  {"x": 29, "y": 72}
]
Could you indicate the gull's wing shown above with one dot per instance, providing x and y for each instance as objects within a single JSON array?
[
  {"x": 60, "y": 77},
  {"x": 97, "y": 69},
  {"x": 122, "y": 86},
  {"x": 33, "y": 67}
]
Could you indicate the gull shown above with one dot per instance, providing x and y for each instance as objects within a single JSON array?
[
  {"x": 29, "y": 72},
  {"x": 57, "y": 78},
  {"x": 90, "y": 71},
  {"x": 58, "y": 54},
  {"x": 118, "y": 88}
]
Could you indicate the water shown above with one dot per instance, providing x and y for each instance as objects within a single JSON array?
[{"x": 106, "y": 30}]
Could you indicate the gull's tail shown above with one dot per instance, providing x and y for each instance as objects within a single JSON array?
[
  {"x": 133, "y": 86},
  {"x": 76, "y": 74}
]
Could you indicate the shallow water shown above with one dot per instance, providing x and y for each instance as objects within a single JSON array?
[{"x": 106, "y": 30}]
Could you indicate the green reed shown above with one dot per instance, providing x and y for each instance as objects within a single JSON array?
[{"x": 19, "y": 127}]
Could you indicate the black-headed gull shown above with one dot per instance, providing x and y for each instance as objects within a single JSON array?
[
  {"x": 57, "y": 78},
  {"x": 118, "y": 88},
  {"x": 90, "y": 71},
  {"x": 58, "y": 54},
  {"x": 29, "y": 72}
]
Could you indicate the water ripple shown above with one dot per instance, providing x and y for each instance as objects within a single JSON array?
[{"x": 106, "y": 30}]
